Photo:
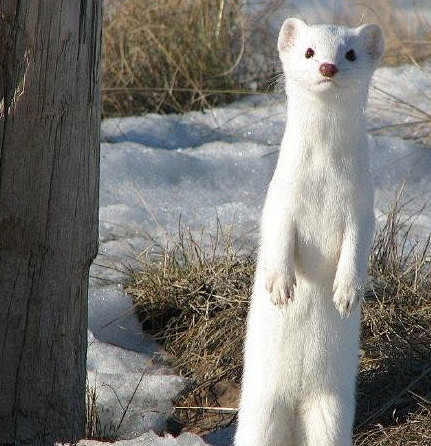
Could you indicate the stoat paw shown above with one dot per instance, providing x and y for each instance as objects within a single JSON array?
[
  {"x": 347, "y": 294},
  {"x": 280, "y": 287}
]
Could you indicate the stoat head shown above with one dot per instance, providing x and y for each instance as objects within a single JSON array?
[{"x": 329, "y": 59}]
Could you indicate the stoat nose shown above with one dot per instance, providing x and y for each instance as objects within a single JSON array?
[{"x": 328, "y": 69}]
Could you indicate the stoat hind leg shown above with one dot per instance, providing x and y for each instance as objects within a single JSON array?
[
  {"x": 264, "y": 421},
  {"x": 327, "y": 419}
]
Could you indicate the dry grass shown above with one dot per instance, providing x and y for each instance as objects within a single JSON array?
[
  {"x": 93, "y": 426},
  {"x": 196, "y": 305},
  {"x": 178, "y": 55},
  {"x": 395, "y": 372},
  {"x": 92, "y": 421},
  {"x": 407, "y": 31}
]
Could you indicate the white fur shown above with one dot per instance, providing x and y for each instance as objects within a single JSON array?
[{"x": 302, "y": 340}]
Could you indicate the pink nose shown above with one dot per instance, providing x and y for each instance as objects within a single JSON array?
[{"x": 328, "y": 69}]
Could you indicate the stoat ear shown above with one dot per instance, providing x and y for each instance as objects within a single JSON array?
[
  {"x": 288, "y": 32},
  {"x": 372, "y": 36}
]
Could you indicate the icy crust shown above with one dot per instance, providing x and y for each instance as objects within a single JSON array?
[
  {"x": 200, "y": 169},
  {"x": 151, "y": 188},
  {"x": 400, "y": 102},
  {"x": 398, "y": 165},
  {"x": 256, "y": 119}
]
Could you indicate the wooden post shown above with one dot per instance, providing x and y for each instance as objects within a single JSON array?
[{"x": 49, "y": 175}]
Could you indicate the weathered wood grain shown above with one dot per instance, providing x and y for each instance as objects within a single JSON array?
[{"x": 49, "y": 173}]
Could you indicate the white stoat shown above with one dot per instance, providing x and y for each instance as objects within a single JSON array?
[{"x": 302, "y": 342}]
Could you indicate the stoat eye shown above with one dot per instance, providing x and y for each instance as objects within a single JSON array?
[
  {"x": 351, "y": 55},
  {"x": 309, "y": 53}
]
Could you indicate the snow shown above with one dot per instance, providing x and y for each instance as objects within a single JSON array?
[
  {"x": 143, "y": 397},
  {"x": 402, "y": 97},
  {"x": 150, "y": 439},
  {"x": 197, "y": 169}
]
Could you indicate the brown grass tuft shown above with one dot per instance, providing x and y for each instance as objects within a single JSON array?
[
  {"x": 395, "y": 370},
  {"x": 93, "y": 427},
  {"x": 196, "y": 303},
  {"x": 175, "y": 55}
]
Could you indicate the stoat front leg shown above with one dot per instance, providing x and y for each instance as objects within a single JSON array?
[
  {"x": 351, "y": 270},
  {"x": 279, "y": 272},
  {"x": 278, "y": 246}
]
